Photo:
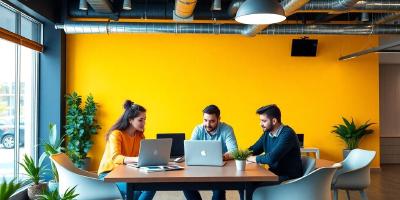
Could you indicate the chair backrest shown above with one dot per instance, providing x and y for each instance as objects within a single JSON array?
[
  {"x": 308, "y": 164},
  {"x": 357, "y": 159},
  {"x": 314, "y": 186},
  {"x": 355, "y": 174},
  {"x": 87, "y": 186}
]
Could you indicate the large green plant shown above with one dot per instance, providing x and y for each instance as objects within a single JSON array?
[
  {"x": 34, "y": 172},
  {"x": 350, "y": 133},
  {"x": 69, "y": 194},
  {"x": 8, "y": 188},
  {"x": 80, "y": 125}
]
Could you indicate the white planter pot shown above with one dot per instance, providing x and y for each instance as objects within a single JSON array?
[{"x": 240, "y": 165}]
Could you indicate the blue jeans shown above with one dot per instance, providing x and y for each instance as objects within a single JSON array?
[
  {"x": 195, "y": 195},
  {"x": 138, "y": 195}
]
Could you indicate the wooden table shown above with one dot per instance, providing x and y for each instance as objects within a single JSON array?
[
  {"x": 194, "y": 178},
  {"x": 198, "y": 178}
]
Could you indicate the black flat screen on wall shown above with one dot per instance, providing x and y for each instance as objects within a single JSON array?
[{"x": 304, "y": 47}]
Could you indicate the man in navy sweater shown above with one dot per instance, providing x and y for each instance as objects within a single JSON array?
[{"x": 279, "y": 144}]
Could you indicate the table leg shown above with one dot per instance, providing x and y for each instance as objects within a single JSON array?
[
  {"x": 129, "y": 191},
  {"x": 248, "y": 191}
]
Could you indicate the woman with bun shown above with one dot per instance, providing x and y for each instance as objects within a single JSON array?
[{"x": 123, "y": 143}]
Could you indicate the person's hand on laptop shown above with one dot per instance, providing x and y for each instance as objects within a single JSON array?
[
  {"x": 251, "y": 159},
  {"x": 227, "y": 156},
  {"x": 128, "y": 160}
]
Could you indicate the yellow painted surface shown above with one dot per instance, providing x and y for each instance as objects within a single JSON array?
[{"x": 176, "y": 76}]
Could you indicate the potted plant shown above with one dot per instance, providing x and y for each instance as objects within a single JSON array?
[
  {"x": 69, "y": 194},
  {"x": 53, "y": 146},
  {"x": 351, "y": 134},
  {"x": 80, "y": 125},
  {"x": 35, "y": 174},
  {"x": 8, "y": 188},
  {"x": 240, "y": 157}
]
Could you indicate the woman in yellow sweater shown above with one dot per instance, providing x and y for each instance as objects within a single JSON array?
[{"x": 123, "y": 143}]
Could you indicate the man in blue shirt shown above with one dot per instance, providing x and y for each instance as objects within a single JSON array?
[
  {"x": 279, "y": 145},
  {"x": 213, "y": 129}
]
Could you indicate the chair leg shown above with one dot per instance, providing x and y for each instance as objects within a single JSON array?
[
  {"x": 363, "y": 195},
  {"x": 348, "y": 194},
  {"x": 335, "y": 194}
]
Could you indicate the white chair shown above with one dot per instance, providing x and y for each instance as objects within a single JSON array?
[
  {"x": 87, "y": 185},
  {"x": 308, "y": 164},
  {"x": 314, "y": 186},
  {"x": 355, "y": 174}
]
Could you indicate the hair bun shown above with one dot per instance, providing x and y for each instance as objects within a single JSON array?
[{"x": 128, "y": 104}]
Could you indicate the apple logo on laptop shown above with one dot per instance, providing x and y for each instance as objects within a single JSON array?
[
  {"x": 203, "y": 153},
  {"x": 155, "y": 152}
]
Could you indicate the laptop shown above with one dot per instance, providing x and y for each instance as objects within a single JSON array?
[
  {"x": 301, "y": 139},
  {"x": 203, "y": 152},
  {"x": 177, "y": 149},
  {"x": 154, "y": 152}
]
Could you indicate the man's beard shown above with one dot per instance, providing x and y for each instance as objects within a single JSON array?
[
  {"x": 268, "y": 129},
  {"x": 210, "y": 129}
]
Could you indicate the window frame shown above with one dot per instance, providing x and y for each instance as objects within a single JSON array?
[{"x": 37, "y": 47}]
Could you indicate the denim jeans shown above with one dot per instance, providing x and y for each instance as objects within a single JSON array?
[
  {"x": 138, "y": 195},
  {"x": 195, "y": 195}
]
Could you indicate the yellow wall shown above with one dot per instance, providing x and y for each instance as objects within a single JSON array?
[{"x": 175, "y": 76}]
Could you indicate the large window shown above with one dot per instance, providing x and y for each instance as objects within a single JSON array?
[{"x": 18, "y": 92}]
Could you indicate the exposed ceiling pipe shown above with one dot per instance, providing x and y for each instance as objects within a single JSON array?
[
  {"x": 184, "y": 8},
  {"x": 289, "y": 6},
  {"x": 331, "y": 6},
  {"x": 216, "y": 5},
  {"x": 234, "y": 7},
  {"x": 343, "y": 5},
  {"x": 127, "y": 5},
  {"x": 102, "y": 6},
  {"x": 385, "y": 18},
  {"x": 340, "y": 7},
  {"x": 194, "y": 28},
  {"x": 380, "y": 48},
  {"x": 360, "y": 6},
  {"x": 83, "y": 5}
]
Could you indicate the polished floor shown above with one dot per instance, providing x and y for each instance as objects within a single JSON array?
[{"x": 385, "y": 185}]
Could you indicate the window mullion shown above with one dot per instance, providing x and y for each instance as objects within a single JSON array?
[{"x": 17, "y": 99}]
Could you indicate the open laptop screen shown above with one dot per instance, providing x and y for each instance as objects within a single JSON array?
[{"x": 177, "y": 149}]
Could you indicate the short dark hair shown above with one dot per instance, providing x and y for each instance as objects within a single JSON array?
[
  {"x": 212, "y": 109},
  {"x": 272, "y": 111}
]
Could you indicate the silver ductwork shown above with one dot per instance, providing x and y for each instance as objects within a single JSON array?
[
  {"x": 385, "y": 18},
  {"x": 360, "y": 6},
  {"x": 234, "y": 7},
  {"x": 192, "y": 28}
]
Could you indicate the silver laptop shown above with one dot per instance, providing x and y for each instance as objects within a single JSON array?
[
  {"x": 203, "y": 152},
  {"x": 154, "y": 152}
]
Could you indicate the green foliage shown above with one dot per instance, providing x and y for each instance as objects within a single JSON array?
[
  {"x": 34, "y": 172},
  {"x": 241, "y": 154},
  {"x": 80, "y": 125},
  {"x": 68, "y": 195},
  {"x": 350, "y": 133},
  {"x": 8, "y": 188},
  {"x": 53, "y": 146}
]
